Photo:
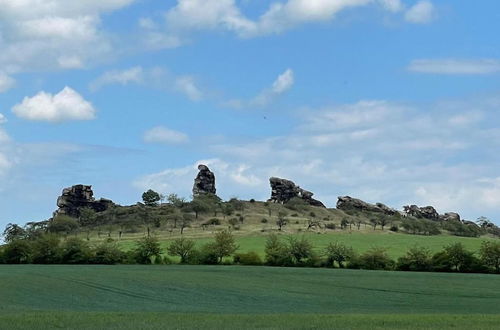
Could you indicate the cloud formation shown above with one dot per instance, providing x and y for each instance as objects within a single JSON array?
[
  {"x": 67, "y": 105},
  {"x": 454, "y": 66},
  {"x": 6, "y": 82},
  {"x": 420, "y": 13},
  {"x": 163, "y": 135}
]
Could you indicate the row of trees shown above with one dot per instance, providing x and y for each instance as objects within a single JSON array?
[{"x": 290, "y": 252}]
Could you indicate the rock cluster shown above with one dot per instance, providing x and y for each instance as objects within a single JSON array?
[
  {"x": 347, "y": 203},
  {"x": 204, "y": 183},
  {"x": 78, "y": 196},
  {"x": 426, "y": 212},
  {"x": 450, "y": 216},
  {"x": 283, "y": 190}
]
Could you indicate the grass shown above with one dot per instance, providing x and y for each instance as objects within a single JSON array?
[{"x": 148, "y": 297}]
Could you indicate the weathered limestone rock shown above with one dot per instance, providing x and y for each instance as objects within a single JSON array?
[
  {"x": 204, "y": 183},
  {"x": 347, "y": 203},
  {"x": 426, "y": 212},
  {"x": 283, "y": 190},
  {"x": 79, "y": 196}
]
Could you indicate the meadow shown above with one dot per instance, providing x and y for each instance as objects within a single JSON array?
[{"x": 175, "y": 296}]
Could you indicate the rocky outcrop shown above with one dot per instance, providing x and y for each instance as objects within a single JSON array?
[
  {"x": 79, "y": 196},
  {"x": 283, "y": 190},
  {"x": 204, "y": 183},
  {"x": 426, "y": 212},
  {"x": 347, "y": 203},
  {"x": 450, "y": 216}
]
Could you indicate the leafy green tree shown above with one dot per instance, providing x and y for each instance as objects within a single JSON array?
[
  {"x": 63, "y": 224},
  {"x": 199, "y": 204},
  {"x": 490, "y": 255},
  {"x": 224, "y": 245},
  {"x": 88, "y": 219},
  {"x": 454, "y": 257},
  {"x": 300, "y": 249},
  {"x": 47, "y": 250},
  {"x": 108, "y": 253},
  {"x": 18, "y": 251},
  {"x": 227, "y": 209},
  {"x": 183, "y": 248},
  {"x": 376, "y": 259},
  {"x": 178, "y": 202},
  {"x": 75, "y": 251},
  {"x": 339, "y": 253},
  {"x": 151, "y": 198},
  {"x": 417, "y": 259},
  {"x": 237, "y": 204},
  {"x": 147, "y": 249},
  {"x": 13, "y": 232},
  {"x": 277, "y": 253}
]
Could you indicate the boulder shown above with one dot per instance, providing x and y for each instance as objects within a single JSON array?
[
  {"x": 426, "y": 212},
  {"x": 283, "y": 190},
  {"x": 450, "y": 216},
  {"x": 204, "y": 183},
  {"x": 79, "y": 196},
  {"x": 347, "y": 203}
]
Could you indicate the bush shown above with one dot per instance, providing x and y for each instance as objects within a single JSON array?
[
  {"x": 421, "y": 227},
  {"x": 338, "y": 252},
  {"x": 297, "y": 204},
  {"x": 148, "y": 249},
  {"x": 47, "y": 250},
  {"x": 490, "y": 255},
  {"x": 301, "y": 251},
  {"x": 374, "y": 259},
  {"x": 250, "y": 258},
  {"x": 213, "y": 222},
  {"x": 17, "y": 252},
  {"x": 330, "y": 225},
  {"x": 458, "y": 228},
  {"x": 394, "y": 228},
  {"x": 264, "y": 220},
  {"x": 75, "y": 251},
  {"x": 207, "y": 255},
  {"x": 63, "y": 224},
  {"x": 277, "y": 253},
  {"x": 252, "y": 200},
  {"x": 455, "y": 258},
  {"x": 418, "y": 259},
  {"x": 183, "y": 248},
  {"x": 108, "y": 253}
]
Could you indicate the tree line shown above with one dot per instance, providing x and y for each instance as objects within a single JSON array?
[{"x": 289, "y": 251}]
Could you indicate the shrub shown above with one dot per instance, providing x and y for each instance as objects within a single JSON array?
[
  {"x": 277, "y": 253},
  {"x": 47, "y": 250},
  {"x": 455, "y": 258},
  {"x": 250, "y": 258},
  {"x": 207, "y": 255},
  {"x": 108, "y": 253},
  {"x": 147, "y": 249},
  {"x": 17, "y": 252},
  {"x": 183, "y": 248},
  {"x": 338, "y": 252},
  {"x": 297, "y": 204},
  {"x": 233, "y": 222},
  {"x": 416, "y": 259},
  {"x": 252, "y": 200},
  {"x": 458, "y": 228},
  {"x": 330, "y": 225},
  {"x": 264, "y": 220},
  {"x": 63, "y": 224},
  {"x": 490, "y": 255},
  {"x": 301, "y": 251},
  {"x": 75, "y": 251},
  {"x": 375, "y": 259},
  {"x": 394, "y": 228},
  {"x": 213, "y": 222}
]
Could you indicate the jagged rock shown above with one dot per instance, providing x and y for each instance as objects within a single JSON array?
[
  {"x": 470, "y": 223},
  {"x": 283, "y": 190},
  {"x": 426, "y": 212},
  {"x": 79, "y": 196},
  {"x": 450, "y": 216},
  {"x": 204, "y": 182},
  {"x": 348, "y": 203}
]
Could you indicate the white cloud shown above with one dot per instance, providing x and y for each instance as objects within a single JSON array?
[
  {"x": 64, "y": 106},
  {"x": 164, "y": 135},
  {"x": 123, "y": 77},
  {"x": 6, "y": 82},
  {"x": 188, "y": 86},
  {"x": 392, "y": 5},
  {"x": 422, "y": 12},
  {"x": 3, "y": 120},
  {"x": 54, "y": 34},
  {"x": 284, "y": 82},
  {"x": 455, "y": 66}
]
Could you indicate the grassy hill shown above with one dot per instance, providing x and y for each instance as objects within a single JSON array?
[{"x": 148, "y": 297}]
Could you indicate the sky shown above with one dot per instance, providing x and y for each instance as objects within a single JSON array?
[{"x": 392, "y": 101}]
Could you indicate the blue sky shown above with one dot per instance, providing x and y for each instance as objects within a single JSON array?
[{"x": 393, "y": 101}]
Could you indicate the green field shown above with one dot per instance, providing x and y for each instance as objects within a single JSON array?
[
  {"x": 142, "y": 297},
  {"x": 396, "y": 243}
]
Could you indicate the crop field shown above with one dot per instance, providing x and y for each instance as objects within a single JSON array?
[{"x": 218, "y": 297}]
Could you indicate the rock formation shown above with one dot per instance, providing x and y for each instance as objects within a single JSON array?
[
  {"x": 204, "y": 182},
  {"x": 283, "y": 190},
  {"x": 450, "y": 216},
  {"x": 79, "y": 196},
  {"x": 426, "y": 212},
  {"x": 347, "y": 203}
]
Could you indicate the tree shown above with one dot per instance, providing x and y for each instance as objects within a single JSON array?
[
  {"x": 277, "y": 253},
  {"x": 490, "y": 255},
  {"x": 87, "y": 219},
  {"x": 178, "y": 202},
  {"x": 12, "y": 232},
  {"x": 63, "y": 224},
  {"x": 147, "y": 249},
  {"x": 282, "y": 220},
  {"x": 151, "y": 198},
  {"x": 224, "y": 245},
  {"x": 47, "y": 250},
  {"x": 417, "y": 259},
  {"x": 484, "y": 222},
  {"x": 18, "y": 251},
  {"x": 338, "y": 252},
  {"x": 200, "y": 204},
  {"x": 383, "y": 221},
  {"x": 108, "y": 253},
  {"x": 183, "y": 248},
  {"x": 227, "y": 209},
  {"x": 75, "y": 251},
  {"x": 300, "y": 249},
  {"x": 185, "y": 221},
  {"x": 456, "y": 257},
  {"x": 374, "y": 223}
]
